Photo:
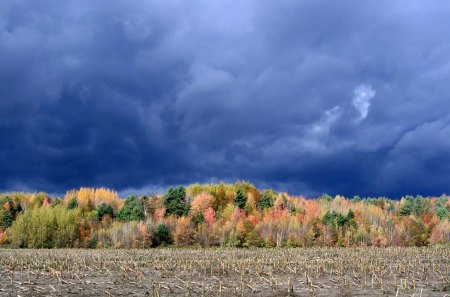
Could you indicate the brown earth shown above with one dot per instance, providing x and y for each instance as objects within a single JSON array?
[{"x": 226, "y": 272}]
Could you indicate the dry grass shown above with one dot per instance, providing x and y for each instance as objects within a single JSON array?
[{"x": 226, "y": 272}]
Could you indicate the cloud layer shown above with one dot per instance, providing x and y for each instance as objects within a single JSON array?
[{"x": 304, "y": 96}]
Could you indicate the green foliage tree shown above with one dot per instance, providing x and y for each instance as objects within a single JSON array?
[
  {"x": 92, "y": 243},
  {"x": 73, "y": 203},
  {"x": 326, "y": 197},
  {"x": 350, "y": 215},
  {"x": 104, "y": 209},
  {"x": 413, "y": 205},
  {"x": 356, "y": 199},
  {"x": 341, "y": 220},
  {"x": 162, "y": 235},
  {"x": 329, "y": 218},
  {"x": 336, "y": 219},
  {"x": 8, "y": 212},
  {"x": 175, "y": 201},
  {"x": 442, "y": 211},
  {"x": 187, "y": 207},
  {"x": 198, "y": 218},
  {"x": 266, "y": 200},
  {"x": 241, "y": 199},
  {"x": 132, "y": 210}
]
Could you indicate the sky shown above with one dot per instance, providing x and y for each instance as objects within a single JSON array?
[{"x": 308, "y": 97}]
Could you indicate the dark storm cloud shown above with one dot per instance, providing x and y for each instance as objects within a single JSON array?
[{"x": 305, "y": 96}]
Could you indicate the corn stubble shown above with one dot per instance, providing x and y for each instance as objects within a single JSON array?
[{"x": 227, "y": 272}]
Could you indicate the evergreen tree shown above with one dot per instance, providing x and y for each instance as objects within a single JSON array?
[
  {"x": 104, "y": 209},
  {"x": 132, "y": 210},
  {"x": 266, "y": 200},
  {"x": 442, "y": 211},
  {"x": 8, "y": 212},
  {"x": 329, "y": 218},
  {"x": 341, "y": 220},
  {"x": 73, "y": 203},
  {"x": 350, "y": 215},
  {"x": 162, "y": 235},
  {"x": 356, "y": 199},
  {"x": 175, "y": 201},
  {"x": 241, "y": 199},
  {"x": 326, "y": 197}
]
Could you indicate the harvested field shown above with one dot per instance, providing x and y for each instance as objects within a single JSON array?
[{"x": 226, "y": 272}]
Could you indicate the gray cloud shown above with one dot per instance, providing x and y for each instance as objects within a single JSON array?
[{"x": 141, "y": 95}]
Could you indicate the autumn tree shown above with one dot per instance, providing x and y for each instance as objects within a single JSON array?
[
  {"x": 183, "y": 232},
  {"x": 201, "y": 203},
  {"x": 220, "y": 198}
]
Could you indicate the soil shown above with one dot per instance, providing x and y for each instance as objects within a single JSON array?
[{"x": 226, "y": 272}]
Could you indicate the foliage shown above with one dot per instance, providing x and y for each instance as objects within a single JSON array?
[
  {"x": 105, "y": 209},
  {"x": 132, "y": 210},
  {"x": 241, "y": 198},
  {"x": 442, "y": 210},
  {"x": 266, "y": 200},
  {"x": 325, "y": 197},
  {"x": 236, "y": 215},
  {"x": 175, "y": 201},
  {"x": 162, "y": 235},
  {"x": 46, "y": 227},
  {"x": 90, "y": 198},
  {"x": 201, "y": 202},
  {"x": 412, "y": 205},
  {"x": 55, "y": 202},
  {"x": 8, "y": 212},
  {"x": 198, "y": 218},
  {"x": 73, "y": 203}
]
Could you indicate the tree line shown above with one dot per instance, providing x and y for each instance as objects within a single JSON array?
[{"x": 233, "y": 215}]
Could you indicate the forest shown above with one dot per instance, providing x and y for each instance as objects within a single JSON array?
[{"x": 221, "y": 214}]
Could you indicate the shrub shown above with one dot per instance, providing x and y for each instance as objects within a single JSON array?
[
  {"x": 46, "y": 227},
  {"x": 162, "y": 235}
]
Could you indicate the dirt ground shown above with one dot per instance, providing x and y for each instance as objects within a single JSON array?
[{"x": 226, "y": 272}]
